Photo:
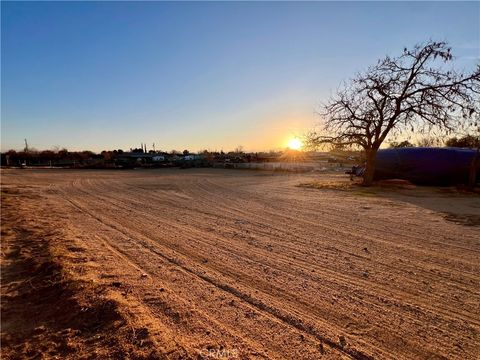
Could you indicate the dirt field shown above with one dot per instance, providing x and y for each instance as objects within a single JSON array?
[{"x": 234, "y": 264}]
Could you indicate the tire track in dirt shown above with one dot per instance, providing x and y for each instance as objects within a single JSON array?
[
  {"x": 129, "y": 234},
  {"x": 258, "y": 304},
  {"x": 234, "y": 195},
  {"x": 351, "y": 282},
  {"x": 262, "y": 237},
  {"x": 131, "y": 261}
]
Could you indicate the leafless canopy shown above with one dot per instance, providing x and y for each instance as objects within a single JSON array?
[{"x": 412, "y": 92}]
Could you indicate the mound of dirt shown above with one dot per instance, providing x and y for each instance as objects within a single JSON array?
[{"x": 47, "y": 313}]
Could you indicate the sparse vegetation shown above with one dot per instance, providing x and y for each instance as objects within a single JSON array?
[
  {"x": 467, "y": 141},
  {"x": 401, "y": 144}
]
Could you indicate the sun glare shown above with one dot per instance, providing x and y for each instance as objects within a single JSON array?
[{"x": 294, "y": 144}]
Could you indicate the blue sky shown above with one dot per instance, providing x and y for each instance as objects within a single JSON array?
[{"x": 203, "y": 75}]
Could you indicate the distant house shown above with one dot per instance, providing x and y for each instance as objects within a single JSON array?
[{"x": 158, "y": 158}]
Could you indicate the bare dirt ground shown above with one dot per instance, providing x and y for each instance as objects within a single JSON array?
[{"x": 235, "y": 264}]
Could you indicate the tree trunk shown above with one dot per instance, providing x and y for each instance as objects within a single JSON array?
[
  {"x": 472, "y": 176},
  {"x": 370, "y": 167}
]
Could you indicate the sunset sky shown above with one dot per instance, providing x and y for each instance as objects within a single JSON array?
[{"x": 110, "y": 75}]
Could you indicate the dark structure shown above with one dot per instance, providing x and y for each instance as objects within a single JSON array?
[{"x": 426, "y": 166}]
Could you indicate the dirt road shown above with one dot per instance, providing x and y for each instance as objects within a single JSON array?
[{"x": 243, "y": 264}]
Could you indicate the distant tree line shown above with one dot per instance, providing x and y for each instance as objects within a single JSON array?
[
  {"x": 46, "y": 156},
  {"x": 467, "y": 141},
  {"x": 63, "y": 157}
]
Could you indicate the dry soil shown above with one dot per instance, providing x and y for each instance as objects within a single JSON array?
[{"x": 210, "y": 263}]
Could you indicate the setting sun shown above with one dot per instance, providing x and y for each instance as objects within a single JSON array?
[{"x": 294, "y": 144}]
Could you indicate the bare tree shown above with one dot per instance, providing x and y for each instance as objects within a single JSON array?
[
  {"x": 411, "y": 92},
  {"x": 429, "y": 141},
  {"x": 238, "y": 149},
  {"x": 467, "y": 141},
  {"x": 402, "y": 144}
]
